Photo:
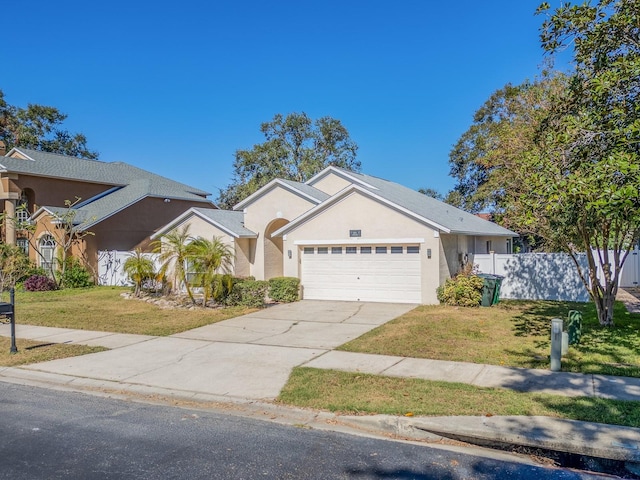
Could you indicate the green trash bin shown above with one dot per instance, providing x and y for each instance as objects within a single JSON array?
[
  {"x": 496, "y": 294},
  {"x": 488, "y": 289},
  {"x": 574, "y": 327}
]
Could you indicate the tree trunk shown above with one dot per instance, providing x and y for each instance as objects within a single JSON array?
[{"x": 604, "y": 300}]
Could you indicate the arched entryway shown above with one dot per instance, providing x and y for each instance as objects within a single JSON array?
[{"x": 273, "y": 250}]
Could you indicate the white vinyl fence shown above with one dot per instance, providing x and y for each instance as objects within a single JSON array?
[
  {"x": 110, "y": 271},
  {"x": 546, "y": 276}
]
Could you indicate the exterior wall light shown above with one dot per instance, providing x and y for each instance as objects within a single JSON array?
[
  {"x": 428, "y": 253},
  {"x": 289, "y": 253}
]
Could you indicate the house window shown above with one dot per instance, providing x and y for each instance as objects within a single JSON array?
[
  {"x": 351, "y": 250},
  {"x": 509, "y": 246},
  {"x": 22, "y": 209},
  {"x": 22, "y": 215},
  {"x": 191, "y": 273},
  {"x": 489, "y": 249},
  {"x": 308, "y": 250},
  {"x": 47, "y": 247},
  {"x": 323, "y": 250},
  {"x": 337, "y": 250},
  {"x": 23, "y": 243},
  {"x": 381, "y": 249},
  {"x": 413, "y": 249},
  {"x": 396, "y": 249},
  {"x": 365, "y": 249}
]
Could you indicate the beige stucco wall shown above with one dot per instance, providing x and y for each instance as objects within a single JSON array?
[
  {"x": 455, "y": 247},
  {"x": 275, "y": 204},
  {"x": 378, "y": 224},
  {"x": 243, "y": 259},
  {"x": 331, "y": 184},
  {"x": 200, "y": 228},
  {"x": 449, "y": 256},
  {"x": 498, "y": 244}
]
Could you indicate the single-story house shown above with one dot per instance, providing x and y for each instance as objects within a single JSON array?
[
  {"x": 121, "y": 205},
  {"x": 349, "y": 236}
]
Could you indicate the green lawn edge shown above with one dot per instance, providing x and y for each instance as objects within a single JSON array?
[{"x": 360, "y": 394}]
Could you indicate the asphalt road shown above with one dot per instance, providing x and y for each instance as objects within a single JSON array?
[{"x": 51, "y": 434}]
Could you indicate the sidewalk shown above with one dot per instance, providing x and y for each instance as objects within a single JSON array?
[{"x": 583, "y": 438}]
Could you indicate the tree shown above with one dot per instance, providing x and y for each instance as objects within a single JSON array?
[
  {"x": 64, "y": 230},
  {"x": 39, "y": 127},
  {"x": 209, "y": 259},
  {"x": 14, "y": 265},
  {"x": 503, "y": 129},
  {"x": 175, "y": 255},
  {"x": 139, "y": 269},
  {"x": 579, "y": 186},
  {"x": 295, "y": 148},
  {"x": 430, "y": 192}
]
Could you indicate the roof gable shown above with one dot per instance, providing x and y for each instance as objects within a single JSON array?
[
  {"x": 427, "y": 210},
  {"x": 309, "y": 193},
  {"x": 229, "y": 221}
]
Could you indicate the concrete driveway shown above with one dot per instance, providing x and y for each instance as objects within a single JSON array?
[{"x": 248, "y": 357}]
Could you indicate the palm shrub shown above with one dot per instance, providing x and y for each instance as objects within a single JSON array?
[
  {"x": 221, "y": 286},
  {"x": 139, "y": 269},
  {"x": 175, "y": 254},
  {"x": 210, "y": 258}
]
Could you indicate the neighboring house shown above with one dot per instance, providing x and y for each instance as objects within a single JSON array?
[
  {"x": 121, "y": 205},
  {"x": 350, "y": 236}
]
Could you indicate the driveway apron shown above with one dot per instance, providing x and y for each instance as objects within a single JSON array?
[{"x": 249, "y": 356}]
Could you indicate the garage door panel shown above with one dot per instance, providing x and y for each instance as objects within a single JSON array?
[{"x": 363, "y": 277}]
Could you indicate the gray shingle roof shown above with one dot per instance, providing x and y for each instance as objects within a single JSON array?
[
  {"x": 448, "y": 216},
  {"x": 131, "y": 184},
  {"x": 313, "y": 192},
  {"x": 110, "y": 173},
  {"x": 231, "y": 220}
]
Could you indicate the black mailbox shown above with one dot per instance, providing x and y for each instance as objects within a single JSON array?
[{"x": 6, "y": 308}]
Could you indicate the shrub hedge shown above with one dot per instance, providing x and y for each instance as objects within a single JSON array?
[
  {"x": 248, "y": 293},
  {"x": 284, "y": 289}
]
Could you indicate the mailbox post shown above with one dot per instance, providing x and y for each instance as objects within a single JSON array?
[
  {"x": 12, "y": 300},
  {"x": 8, "y": 310}
]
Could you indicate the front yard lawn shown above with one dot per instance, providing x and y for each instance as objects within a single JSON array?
[
  {"x": 512, "y": 334},
  {"x": 103, "y": 309}
]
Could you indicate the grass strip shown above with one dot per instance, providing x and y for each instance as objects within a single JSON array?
[
  {"x": 35, "y": 352},
  {"x": 354, "y": 393}
]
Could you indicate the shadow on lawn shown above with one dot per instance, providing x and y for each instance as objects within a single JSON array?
[
  {"x": 602, "y": 350},
  {"x": 535, "y": 319}
]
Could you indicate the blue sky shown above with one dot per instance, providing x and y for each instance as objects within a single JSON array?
[{"x": 178, "y": 87}]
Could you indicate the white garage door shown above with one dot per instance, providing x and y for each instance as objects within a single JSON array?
[{"x": 388, "y": 273}]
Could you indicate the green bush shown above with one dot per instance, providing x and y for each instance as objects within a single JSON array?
[
  {"x": 222, "y": 286},
  {"x": 248, "y": 293},
  {"x": 284, "y": 289},
  {"x": 75, "y": 275},
  {"x": 463, "y": 290}
]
